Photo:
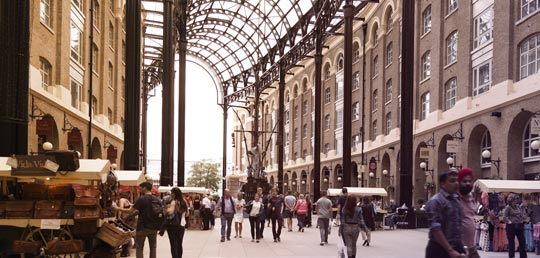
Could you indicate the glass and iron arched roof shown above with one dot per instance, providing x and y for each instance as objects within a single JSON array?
[{"x": 234, "y": 37}]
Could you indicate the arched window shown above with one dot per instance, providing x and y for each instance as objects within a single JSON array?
[
  {"x": 304, "y": 86},
  {"x": 375, "y": 34},
  {"x": 340, "y": 63},
  {"x": 327, "y": 71},
  {"x": 287, "y": 97},
  {"x": 389, "y": 20},
  {"x": 451, "y": 47},
  {"x": 529, "y": 53},
  {"x": 486, "y": 146},
  {"x": 528, "y": 137},
  {"x": 356, "y": 52},
  {"x": 295, "y": 91}
]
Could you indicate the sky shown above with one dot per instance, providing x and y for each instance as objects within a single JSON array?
[{"x": 204, "y": 118}]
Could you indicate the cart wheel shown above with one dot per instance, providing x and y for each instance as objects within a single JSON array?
[{"x": 46, "y": 235}]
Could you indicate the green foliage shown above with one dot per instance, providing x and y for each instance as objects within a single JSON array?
[{"x": 204, "y": 174}]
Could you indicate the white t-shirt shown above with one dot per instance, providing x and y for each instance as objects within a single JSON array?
[
  {"x": 255, "y": 209},
  {"x": 241, "y": 204}
]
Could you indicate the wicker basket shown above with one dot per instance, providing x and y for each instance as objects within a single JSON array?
[{"x": 113, "y": 234}]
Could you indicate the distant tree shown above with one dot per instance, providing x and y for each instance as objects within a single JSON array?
[{"x": 204, "y": 174}]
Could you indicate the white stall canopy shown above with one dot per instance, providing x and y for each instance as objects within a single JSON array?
[
  {"x": 359, "y": 191},
  {"x": 5, "y": 170},
  {"x": 130, "y": 177},
  {"x": 184, "y": 189},
  {"x": 515, "y": 186}
]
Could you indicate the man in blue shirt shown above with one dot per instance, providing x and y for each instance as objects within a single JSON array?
[{"x": 444, "y": 213}]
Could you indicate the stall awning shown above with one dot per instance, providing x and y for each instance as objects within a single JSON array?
[
  {"x": 515, "y": 186},
  {"x": 359, "y": 191},
  {"x": 184, "y": 189},
  {"x": 130, "y": 177},
  {"x": 5, "y": 170}
]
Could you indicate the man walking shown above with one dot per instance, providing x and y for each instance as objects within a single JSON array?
[
  {"x": 323, "y": 206},
  {"x": 468, "y": 226},
  {"x": 226, "y": 205},
  {"x": 206, "y": 212},
  {"x": 275, "y": 206},
  {"x": 290, "y": 203},
  {"x": 341, "y": 203},
  {"x": 444, "y": 213},
  {"x": 145, "y": 227}
]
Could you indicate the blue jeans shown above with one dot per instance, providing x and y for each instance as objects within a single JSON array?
[
  {"x": 324, "y": 224},
  {"x": 226, "y": 218},
  {"x": 140, "y": 237},
  {"x": 176, "y": 236}
]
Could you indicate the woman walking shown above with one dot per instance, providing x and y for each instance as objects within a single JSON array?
[
  {"x": 254, "y": 220},
  {"x": 176, "y": 218},
  {"x": 239, "y": 215},
  {"x": 301, "y": 209},
  {"x": 514, "y": 218},
  {"x": 351, "y": 223},
  {"x": 367, "y": 212}
]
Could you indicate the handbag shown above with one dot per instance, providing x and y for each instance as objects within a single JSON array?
[
  {"x": 19, "y": 209},
  {"x": 48, "y": 209},
  {"x": 26, "y": 247},
  {"x": 57, "y": 246}
]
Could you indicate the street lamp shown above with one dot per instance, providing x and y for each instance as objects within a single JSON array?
[
  {"x": 294, "y": 183},
  {"x": 339, "y": 178},
  {"x": 113, "y": 166},
  {"x": 303, "y": 182},
  {"x": 450, "y": 161},
  {"x": 325, "y": 179},
  {"x": 487, "y": 155},
  {"x": 47, "y": 146}
]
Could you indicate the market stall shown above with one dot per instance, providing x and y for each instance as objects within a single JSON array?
[
  {"x": 359, "y": 191},
  {"x": 492, "y": 195}
]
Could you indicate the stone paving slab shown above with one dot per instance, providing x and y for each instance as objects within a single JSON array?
[{"x": 388, "y": 244}]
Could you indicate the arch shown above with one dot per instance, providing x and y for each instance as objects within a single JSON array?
[
  {"x": 354, "y": 175},
  {"x": 474, "y": 153},
  {"x": 340, "y": 61},
  {"x": 305, "y": 85},
  {"x": 338, "y": 176},
  {"x": 303, "y": 182},
  {"x": 295, "y": 91},
  {"x": 419, "y": 175},
  {"x": 96, "y": 148},
  {"x": 387, "y": 20},
  {"x": 325, "y": 178},
  {"x": 294, "y": 182},
  {"x": 385, "y": 165},
  {"x": 51, "y": 137},
  {"x": 326, "y": 71},
  {"x": 516, "y": 167},
  {"x": 442, "y": 155},
  {"x": 286, "y": 183},
  {"x": 374, "y": 31}
]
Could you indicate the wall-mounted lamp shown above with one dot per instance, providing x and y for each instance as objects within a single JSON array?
[
  {"x": 303, "y": 182},
  {"x": 325, "y": 180},
  {"x": 487, "y": 155},
  {"x": 294, "y": 183},
  {"x": 285, "y": 184},
  {"x": 339, "y": 178},
  {"x": 371, "y": 174},
  {"x": 47, "y": 146}
]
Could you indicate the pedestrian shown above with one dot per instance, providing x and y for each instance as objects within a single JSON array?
[
  {"x": 468, "y": 211},
  {"x": 198, "y": 213},
  {"x": 340, "y": 204},
  {"x": 310, "y": 210},
  {"x": 514, "y": 217},
  {"x": 206, "y": 212},
  {"x": 367, "y": 212},
  {"x": 351, "y": 223},
  {"x": 444, "y": 214},
  {"x": 301, "y": 209},
  {"x": 227, "y": 207},
  {"x": 144, "y": 229},
  {"x": 323, "y": 206},
  {"x": 127, "y": 218},
  {"x": 290, "y": 203},
  {"x": 176, "y": 212},
  {"x": 263, "y": 214},
  {"x": 255, "y": 211},
  {"x": 276, "y": 207},
  {"x": 239, "y": 215},
  {"x": 212, "y": 209}
]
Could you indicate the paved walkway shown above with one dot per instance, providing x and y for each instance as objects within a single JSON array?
[{"x": 387, "y": 243}]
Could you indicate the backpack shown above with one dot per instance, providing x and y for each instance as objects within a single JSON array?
[{"x": 156, "y": 216}]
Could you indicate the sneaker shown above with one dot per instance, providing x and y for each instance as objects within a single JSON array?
[
  {"x": 228, "y": 238},
  {"x": 279, "y": 239},
  {"x": 222, "y": 239},
  {"x": 257, "y": 241},
  {"x": 275, "y": 240},
  {"x": 321, "y": 244}
]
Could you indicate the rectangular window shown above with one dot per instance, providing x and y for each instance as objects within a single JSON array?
[
  {"x": 339, "y": 90},
  {"x": 296, "y": 112},
  {"x": 452, "y": 48},
  {"x": 304, "y": 131},
  {"x": 123, "y": 51},
  {"x": 452, "y": 5},
  {"x": 388, "y": 123},
  {"x": 78, "y": 4},
  {"x": 111, "y": 35},
  {"x": 110, "y": 116},
  {"x": 356, "y": 141},
  {"x": 45, "y": 12},
  {"x": 426, "y": 65},
  {"x": 424, "y": 112},
  {"x": 295, "y": 135},
  {"x": 76, "y": 94},
  {"x": 388, "y": 91},
  {"x": 374, "y": 130},
  {"x": 375, "y": 101},
  {"x": 327, "y": 97},
  {"x": 450, "y": 93},
  {"x": 375, "y": 67},
  {"x": 95, "y": 56},
  {"x": 529, "y": 52},
  {"x": 356, "y": 111},
  {"x": 482, "y": 78},
  {"x": 45, "y": 70},
  {"x": 389, "y": 54},
  {"x": 528, "y": 7},
  {"x": 110, "y": 78},
  {"x": 76, "y": 43},
  {"x": 327, "y": 122},
  {"x": 305, "y": 107},
  {"x": 426, "y": 18},
  {"x": 356, "y": 81},
  {"x": 96, "y": 14},
  {"x": 339, "y": 119},
  {"x": 483, "y": 28}
]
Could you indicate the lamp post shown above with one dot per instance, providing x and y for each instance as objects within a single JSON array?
[
  {"x": 487, "y": 155},
  {"x": 535, "y": 145}
]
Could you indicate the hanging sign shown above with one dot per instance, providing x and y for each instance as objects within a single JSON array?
[
  {"x": 39, "y": 165},
  {"x": 112, "y": 152},
  {"x": 424, "y": 153},
  {"x": 44, "y": 126},
  {"x": 535, "y": 125},
  {"x": 452, "y": 146},
  {"x": 372, "y": 165},
  {"x": 74, "y": 137}
]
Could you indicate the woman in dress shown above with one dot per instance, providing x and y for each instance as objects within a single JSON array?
[
  {"x": 351, "y": 223},
  {"x": 175, "y": 230},
  {"x": 239, "y": 215},
  {"x": 254, "y": 220}
]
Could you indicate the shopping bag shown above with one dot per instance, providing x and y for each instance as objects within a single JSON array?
[{"x": 342, "y": 249}]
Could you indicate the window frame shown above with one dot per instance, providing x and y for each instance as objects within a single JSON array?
[
  {"x": 375, "y": 66},
  {"x": 76, "y": 53},
  {"x": 356, "y": 52},
  {"x": 45, "y": 70},
  {"x": 426, "y": 65},
  {"x": 356, "y": 80},
  {"x": 426, "y": 20},
  {"x": 356, "y": 111},
  {"x": 389, "y": 54},
  {"x": 327, "y": 95},
  {"x": 97, "y": 15},
  {"x": 424, "y": 105},
  {"x": 527, "y": 139},
  {"x": 477, "y": 24},
  {"x": 528, "y": 5},
  {"x": 476, "y": 77},
  {"x": 388, "y": 91},
  {"x": 452, "y": 48},
  {"x": 339, "y": 118},
  {"x": 451, "y": 6},
  {"x": 45, "y": 13},
  {"x": 327, "y": 124},
  {"x": 305, "y": 107},
  {"x": 111, "y": 36},
  {"x": 374, "y": 129},
  {"x": 485, "y": 144},
  {"x": 304, "y": 131},
  {"x": 450, "y": 93},
  {"x": 388, "y": 118},
  {"x": 526, "y": 54},
  {"x": 77, "y": 97},
  {"x": 374, "y": 100}
]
